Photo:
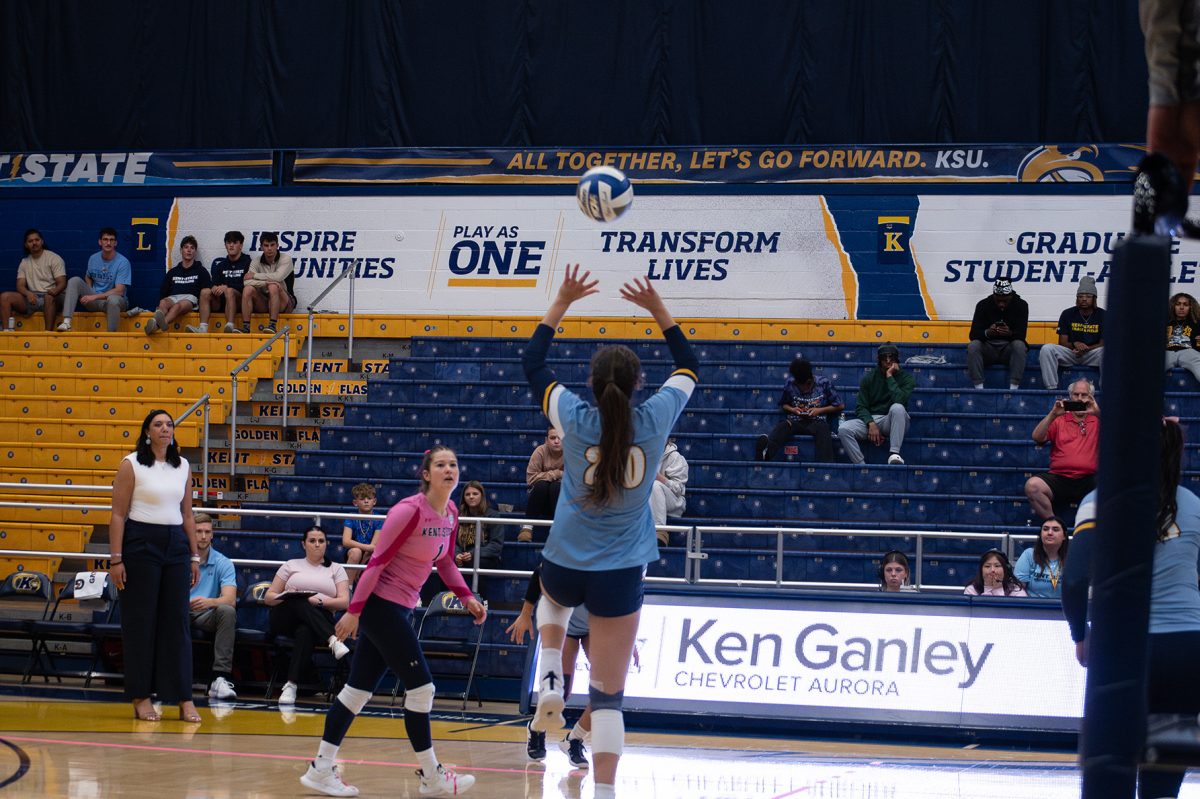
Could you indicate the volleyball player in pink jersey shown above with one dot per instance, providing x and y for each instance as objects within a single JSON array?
[{"x": 419, "y": 531}]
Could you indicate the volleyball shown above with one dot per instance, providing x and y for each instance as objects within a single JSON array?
[{"x": 604, "y": 193}]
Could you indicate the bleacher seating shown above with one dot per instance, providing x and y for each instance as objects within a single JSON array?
[{"x": 968, "y": 452}]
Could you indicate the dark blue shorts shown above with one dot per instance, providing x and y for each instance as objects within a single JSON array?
[{"x": 616, "y": 592}]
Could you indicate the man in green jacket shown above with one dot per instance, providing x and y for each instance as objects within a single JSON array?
[{"x": 880, "y": 408}]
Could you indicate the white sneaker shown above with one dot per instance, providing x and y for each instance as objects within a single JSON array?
[
  {"x": 229, "y": 328},
  {"x": 895, "y": 460},
  {"x": 288, "y": 695},
  {"x": 338, "y": 649},
  {"x": 222, "y": 688},
  {"x": 446, "y": 782},
  {"x": 198, "y": 328},
  {"x": 548, "y": 715},
  {"x": 327, "y": 782},
  {"x": 64, "y": 326},
  {"x": 221, "y": 710},
  {"x": 134, "y": 311}
]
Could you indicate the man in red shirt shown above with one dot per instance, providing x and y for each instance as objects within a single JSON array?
[{"x": 1073, "y": 429}]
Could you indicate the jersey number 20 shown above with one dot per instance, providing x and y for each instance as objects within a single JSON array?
[{"x": 635, "y": 466}]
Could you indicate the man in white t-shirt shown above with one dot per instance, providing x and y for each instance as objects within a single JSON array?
[{"x": 41, "y": 281}]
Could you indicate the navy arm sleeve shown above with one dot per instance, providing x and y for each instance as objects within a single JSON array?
[
  {"x": 539, "y": 375},
  {"x": 1076, "y": 578},
  {"x": 681, "y": 351}
]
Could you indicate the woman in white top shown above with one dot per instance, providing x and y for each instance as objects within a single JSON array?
[
  {"x": 303, "y": 596},
  {"x": 155, "y": 563}
]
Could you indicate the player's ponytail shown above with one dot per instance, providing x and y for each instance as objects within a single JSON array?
[
  {"x": 615, "y": 374},
  {"x": 1171, "y": 459}
]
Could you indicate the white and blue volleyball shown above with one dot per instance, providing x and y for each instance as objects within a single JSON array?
[{"x": 604, "y": 193}]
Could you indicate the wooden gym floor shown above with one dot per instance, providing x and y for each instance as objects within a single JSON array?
[{"x": 85, "y": 748}]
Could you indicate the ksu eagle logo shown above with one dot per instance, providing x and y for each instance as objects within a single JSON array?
[{"x": 1049, "y": 165}]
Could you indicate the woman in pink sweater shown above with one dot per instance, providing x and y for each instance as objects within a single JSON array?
[{"x": 419, "y": 532}]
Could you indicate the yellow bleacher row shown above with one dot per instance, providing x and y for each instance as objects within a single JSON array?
[
  {"x": 112, "y": 343},
  {"x": 394, "y": 326},
  {"x": 133, "y": 363},
  {"x": 29, "y": 455},
  {"x": 54, "y": 431},
  {"x": 40, "y": 537},
  {"x": 154, "y": 389},
  {"x": 65, "y": 408}
]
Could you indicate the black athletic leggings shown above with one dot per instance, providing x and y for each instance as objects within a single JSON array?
[{"x": 386, "y": 639}]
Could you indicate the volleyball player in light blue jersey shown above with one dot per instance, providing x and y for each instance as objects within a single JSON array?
[
  {"x": 603, "y": 531},
  {"x": 1174, "y": 641}
]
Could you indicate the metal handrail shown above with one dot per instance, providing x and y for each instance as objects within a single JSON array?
[
  {"x": 203, "y": 401},
  {"x": 285, "y": 334},
  {"x": 351, "y": 269}
]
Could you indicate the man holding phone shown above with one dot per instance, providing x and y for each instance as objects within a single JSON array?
[
  {"x": 1073, "y": 429},
  {"x": 998, "y": 334}
]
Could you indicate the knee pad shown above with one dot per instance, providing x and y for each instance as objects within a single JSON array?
[
  {"x": 419, "y": 699},
  {"x": 602, "y": 701},
  {"x": 608, "y": 731},
  {"x": 355, "y": 699},
  {"x": 549, "y": 612}
]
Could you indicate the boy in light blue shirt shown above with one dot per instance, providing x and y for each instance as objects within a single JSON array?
[{"x": 104, "y": 287}]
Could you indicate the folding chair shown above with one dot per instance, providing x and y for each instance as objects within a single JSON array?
[
  {"x": 279, "y": 648},
  {"x": 64, "y": 633},
  {"x": 27, "y": 597},
  {"x": 448, "y": 632}
]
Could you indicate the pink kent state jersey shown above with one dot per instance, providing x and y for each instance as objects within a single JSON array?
[{"x": 414, "y": 538}]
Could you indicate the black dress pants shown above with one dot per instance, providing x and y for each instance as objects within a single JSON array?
[{"x": 155, "y": 625}]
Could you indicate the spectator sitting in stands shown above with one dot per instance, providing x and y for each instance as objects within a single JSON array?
[
  {"x": 228, "y": 275},
  {"x": 214, "y": 607},
  {"x": 998, "y": 334},
  {"x": 41, "y": 280},
  {"x": 358, "y": 534},
  {"x": 180, "y": 289},
  {"x": 543, "y": 475},
  {"x": 880, "y": 408},
  {"x": 1183, "y": 334},
  {"x": 104, "y": 287},
  {"x": 893, "y": 572},
  {"x": 807, "y": 403},
  {"x": 474, "y": 503},
  {"x": 302, "y": 598},
  {"x": 1040, "y": 566},
  {"x": 667, "y": 493},
  {"x": 995, "y": 577},
  {"x": 266, "y": 286},
  {"x": 1080, "y": 336},
  {"x": 1074, "y": 437}
]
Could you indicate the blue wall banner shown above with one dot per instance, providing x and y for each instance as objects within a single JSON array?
[
  {"x": 224, "y": 167},
  {"x": 993, "y": 163}
]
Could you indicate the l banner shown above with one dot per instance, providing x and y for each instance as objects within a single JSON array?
[
  {"x": 995, "y": 163},
  {"x": 224, "y": 167},
  {"x": 902, "y": 663},
  {"x": 908, "y": 257}
]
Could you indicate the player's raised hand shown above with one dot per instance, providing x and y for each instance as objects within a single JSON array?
[
  {"x": 575, "y": 287},
  {"x": 641, "y": 293}
]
